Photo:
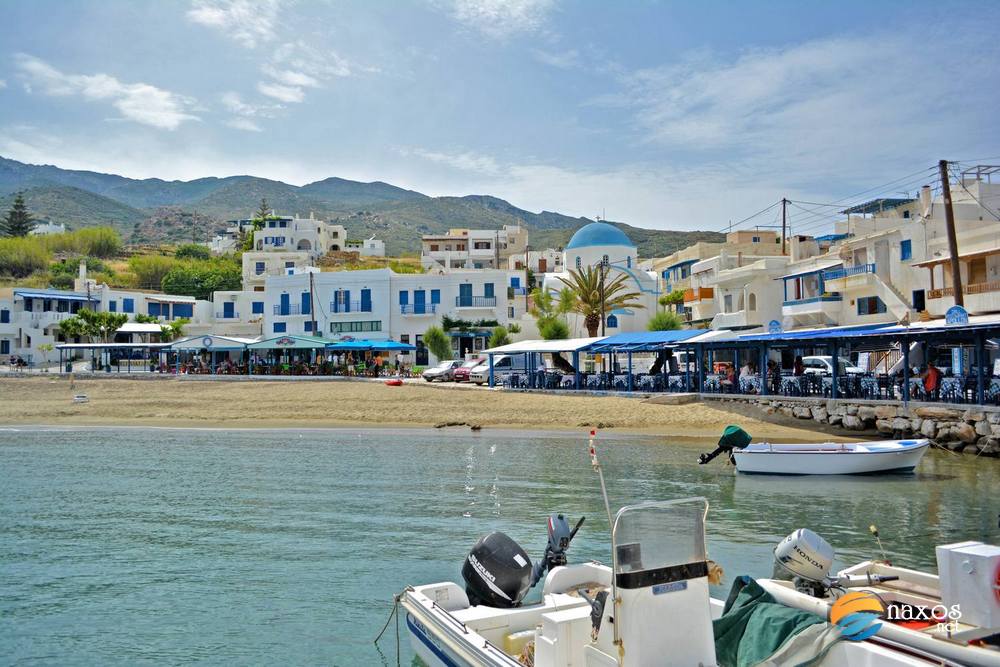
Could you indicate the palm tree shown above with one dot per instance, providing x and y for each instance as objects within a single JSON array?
[{"x": 595, "y": 295}]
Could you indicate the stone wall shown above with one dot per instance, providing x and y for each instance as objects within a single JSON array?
[{"x": 972, "y": 431}]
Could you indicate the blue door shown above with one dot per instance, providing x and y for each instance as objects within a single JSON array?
[
  {"x": 306, "y": 303},
  {"x": 488, "y": 290},
  {"x": 465, "y": 295},
  {"x": 347, "y": 300},
  {"x": 366, "y": 300},
  {"x": 4, "y": 347},
  {"x": 419, "y": 301},
  {"x": 228, "y": 309},
  {"x": 285, "y": 305}
]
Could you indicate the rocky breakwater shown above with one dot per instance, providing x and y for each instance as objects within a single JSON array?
[{"x": 971, "y": 431}]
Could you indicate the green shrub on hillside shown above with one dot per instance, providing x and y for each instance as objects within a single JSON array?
[
  {"x": 193, "y": 251},
  {"x": 22, "y": 256},
  {"x": 150, "y": 269},
  {"x": 92, "y": 241},
  {"x": 200, "y": 279}
]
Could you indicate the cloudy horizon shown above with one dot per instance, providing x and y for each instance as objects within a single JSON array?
[{"x": 659, "y": 114}]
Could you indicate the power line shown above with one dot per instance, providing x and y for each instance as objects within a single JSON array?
[
  {"x": 961, "y": 182},
  {"x": 733, "y": 225}
]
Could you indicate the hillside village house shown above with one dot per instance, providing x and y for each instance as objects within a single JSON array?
[
  {"x": 473, "y": 248},
  {"x": 286, "y": 243}
]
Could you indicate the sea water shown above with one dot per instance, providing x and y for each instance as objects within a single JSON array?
[{"x": 172, "y": 546}]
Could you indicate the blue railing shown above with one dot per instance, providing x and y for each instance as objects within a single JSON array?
[
  {"x": 475, "y": 302},
  {"x": 418, "y": 309},
  {"x": 223, "y": 315},
  {"x": 290, "y": 309},
  {"x": 350, "y": 307},
  {"x": 814, "y": 299},
  {"x": 834, "y": 274},
  {"x": 518, "y": 291}
]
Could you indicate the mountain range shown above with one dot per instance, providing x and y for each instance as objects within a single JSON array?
[{"x": 153, "y": 210}]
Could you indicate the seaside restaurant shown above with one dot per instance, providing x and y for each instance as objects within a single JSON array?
[
  {"x": 312, "y": 355},
  {"x": 209, "y": 354},
  {"x": 955, "y": 360}
]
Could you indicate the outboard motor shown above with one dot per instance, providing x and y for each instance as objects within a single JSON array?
[
  {"x": 732, "y": 438},
  {"x": 806, "y": 558},
  {"x": 497, "y": 572},
  {"x": 560, "y": 536}
]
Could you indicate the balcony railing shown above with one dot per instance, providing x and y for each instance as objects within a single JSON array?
[
  {"x": 814, "y": 299},
  {"x": 517, "y": 291},
  {"x": 418, "y": 309},
  {"x": 475, "y": 302},
  {"x": 698, "y": 293},
  {"x": 290, "y": 309},
  {"x": 834, "y": 274},
  {"x": 974, "y": 288},
  {"x": 223, "y": 315},
  {"x": 350, "y": 307}
]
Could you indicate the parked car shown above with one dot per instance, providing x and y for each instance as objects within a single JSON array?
[
  {"x": 461, "y": 373},
  {"x": 824, "y": 366},
  {"x": 503, "y": 365},
  {"x": 444, "y": 371}
]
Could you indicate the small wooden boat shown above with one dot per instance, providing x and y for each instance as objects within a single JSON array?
[
  {"x": 830, "y": 458},
  {"x": 394, "y": 382}
]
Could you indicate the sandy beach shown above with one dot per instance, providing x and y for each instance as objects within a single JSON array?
[{"x": 173, "y": 402}]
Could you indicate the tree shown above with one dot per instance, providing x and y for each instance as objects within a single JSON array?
[
  {"x": 45, "y": 349},
  {"x": 18, "y": 221},
  {"x": 20, "y": 257},
  {"x": 98, "y": 327},
  {"x": 595, "y": 295},
  {"x": 172, "y": 330},
  {"x": 555, "y": 329},
  {"x": 665, "y": 321},
  {"x": 201, "y": 279},
  {"x": 674, "y": 298},
  {"x": 499, "y": 337},
  {"x": 263, "y": 213},
  {"x": 193, "y": 251},
  {"x": 149, "y": 270},
  {"x": 438, "y": 342}
]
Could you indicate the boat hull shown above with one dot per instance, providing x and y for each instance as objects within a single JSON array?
[{"x": 829, "y": 460}]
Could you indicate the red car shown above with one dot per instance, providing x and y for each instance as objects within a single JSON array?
[{"x": 461, "y": 373}]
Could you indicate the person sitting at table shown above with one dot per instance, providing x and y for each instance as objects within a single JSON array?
[
  {"x": 746, "y": 371},
  {"x": 729, "y": 380},
  {"x": 798, "y": 368},
  {"x": 774, "y": 375},
  {"x": 932, "y": 381}
]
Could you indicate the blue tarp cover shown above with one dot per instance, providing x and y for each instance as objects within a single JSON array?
[{"x": 52, "y": 294}]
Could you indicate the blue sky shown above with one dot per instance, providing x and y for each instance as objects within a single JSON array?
[{"x": 679, "y": 115}]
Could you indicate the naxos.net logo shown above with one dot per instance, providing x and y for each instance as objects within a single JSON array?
[{"x": 857, "y": 615}]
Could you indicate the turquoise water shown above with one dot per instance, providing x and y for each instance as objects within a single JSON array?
[{"x": 265, "y": 547}]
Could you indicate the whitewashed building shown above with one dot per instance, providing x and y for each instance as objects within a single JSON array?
[
  {"x": 473, "y": 248},
  {"x": 372, "y": 247}
]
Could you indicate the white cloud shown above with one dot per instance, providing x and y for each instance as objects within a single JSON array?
[
  {"x": 138, "y": 102},
  {"x": 245, "y": 124},
  {"x": 3, "y": 84},
  {"x": 247, "y": 21},
  {"x": 561, "y": 59},
  {"x": 245, "y": 115},
  {"x": 502, "y": 18},
  {"x": 465, "y": 161},
  {"x": 281, "y": 93}
]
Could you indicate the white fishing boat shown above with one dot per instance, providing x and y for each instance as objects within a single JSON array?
[
  {"x": 826, "y": 458},
  {"x": 650, "y": 607}
]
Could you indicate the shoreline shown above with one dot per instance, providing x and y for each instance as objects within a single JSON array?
[{"x": 47, "y": 402}]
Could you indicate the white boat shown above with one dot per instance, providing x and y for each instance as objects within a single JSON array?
[
  {"x": 831, "y": 458},
  {"x": 663, "y": 617}
]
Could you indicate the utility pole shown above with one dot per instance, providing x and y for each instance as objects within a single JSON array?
[
  {"x": 784, "y": 223},
  {"x": 312, "y": 304},
  {"x": 603, "y": 314},
  {"x": 949, "y": 219}
]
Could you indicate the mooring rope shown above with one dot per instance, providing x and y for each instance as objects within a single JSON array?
[{"x": 394, "y": 614}]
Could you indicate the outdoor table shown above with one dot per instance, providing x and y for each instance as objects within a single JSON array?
[
  {"x": 621, "y": 382},
  {"x": 713, "y": 384},
  {"x": 796, "y": 385},
  {"x": 750, "y": 384},
  {"x": 594, "y": 381},
  {"x": 675, "y": 383}
]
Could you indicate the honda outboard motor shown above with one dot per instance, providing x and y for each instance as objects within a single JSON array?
[
  {"x": 806, "y": 558},
  {"x": 497, "y": 572}
]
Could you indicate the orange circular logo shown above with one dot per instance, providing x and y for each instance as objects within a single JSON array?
[{"x": 857, "y": 614}]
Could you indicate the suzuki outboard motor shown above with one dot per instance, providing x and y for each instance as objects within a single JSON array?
[{"x": 497, "y": 572}]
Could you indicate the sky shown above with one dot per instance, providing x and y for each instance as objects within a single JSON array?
[{"x": 672, "y": 115}]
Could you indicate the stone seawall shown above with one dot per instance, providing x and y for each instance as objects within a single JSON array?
[{"x": 974, "y": 430}]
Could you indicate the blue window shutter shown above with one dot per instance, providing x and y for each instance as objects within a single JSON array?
[
  {"x": 306, "y": 303},
  {"x": 128, "y": 305},
  {"x": 257, "y": 308},
  {"x": 515, "y": 281},
  {"x": 153, "y": 308},
  {"x": 259, "y": 268},
  {"x": 4, "y": 316},
  {"x": 906, "y": 249},
  {"x": 488, "y": 290},
  {"x": 347, "y": 301},
  {"x": 435, "y": 296},
  {"x": 404, "y": 297},
  {"x": 366, "y": 300},
  {"x": 309, "y": 326},
  {"x": 112, "y": 306},
  {"x": 227, "y": 309},
  {"x": 187, "y": 309},
  {"x": 279, "y": 327},
  {"x": 4, "y": 347}
]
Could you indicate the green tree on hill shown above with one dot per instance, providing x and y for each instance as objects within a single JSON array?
[
  {"x": 263, "y": 213},
  {"x": 192, "y": 251},
  {"x": 18, "y": 221}
]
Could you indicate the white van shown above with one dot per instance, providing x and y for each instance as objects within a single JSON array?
[
  {"x": 824, "y": 366},
  {"x": 503, "y": 365}
]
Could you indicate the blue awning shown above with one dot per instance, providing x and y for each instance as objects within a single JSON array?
[
  {"x": 374, "y": 345},
  {"x": 683, "y": 263},
  {"x": 643, "y": 340},
  {"x": 833, "y": 332},
  {"x": 811, "y": 270},
  {"x": 55, "y": 295}
]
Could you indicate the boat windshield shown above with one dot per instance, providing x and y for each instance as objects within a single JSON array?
[{"x": 651, "y": 536}]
